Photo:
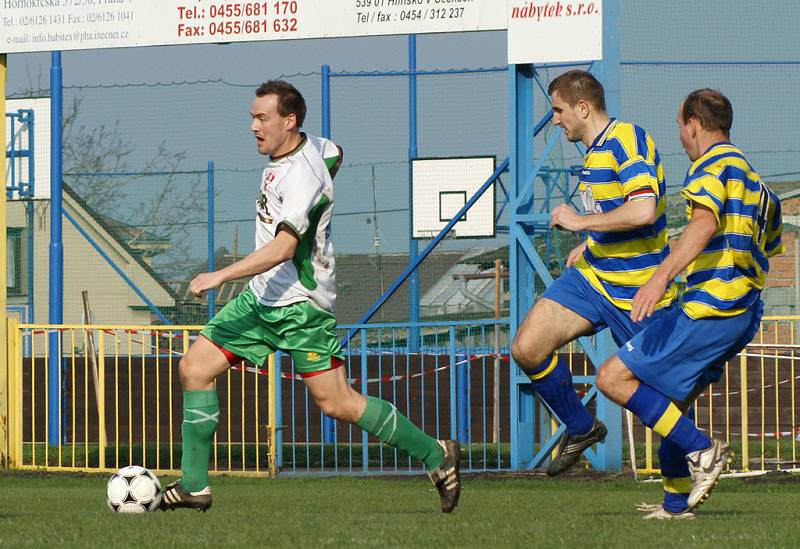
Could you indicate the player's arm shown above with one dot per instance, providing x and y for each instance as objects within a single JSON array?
[
  {"x": 694, "y": 239},
  {"x": 640, "y": 189},
  {"x": 272, "y": 254},
  {"x": 630, "y": 215}
]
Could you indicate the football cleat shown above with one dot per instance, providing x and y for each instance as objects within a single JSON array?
[
  {"x": 176, "y": 497},
  {"x": 705, "y": 467},
  {"x": 662, "y": 514},
  {"x": 446, "y": 477},
  {"x": 570, "y": 448}
]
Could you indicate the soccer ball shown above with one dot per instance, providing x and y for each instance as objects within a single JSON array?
[{"x": 133, "y": 489}]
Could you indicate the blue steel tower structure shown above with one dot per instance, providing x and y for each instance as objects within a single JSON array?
[{"x": 525, "y": 263}]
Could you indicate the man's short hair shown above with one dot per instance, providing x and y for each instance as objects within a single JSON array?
[
  {"x": 712, "y": 109},
  {"x": 290, "y": 101},
  {"x": 574, "y": 85}
]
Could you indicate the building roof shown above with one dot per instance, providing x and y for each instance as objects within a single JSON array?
[
  {"x": 118, "y": 237},
  {"x": 138, "y": 240}
]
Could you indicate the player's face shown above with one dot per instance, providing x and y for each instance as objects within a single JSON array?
[
  {"x": 686, "y": 134},
  {"x": 567, "y": 118},
  {"x": 271, "y": 130}
]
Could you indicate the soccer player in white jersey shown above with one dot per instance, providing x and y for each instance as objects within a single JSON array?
[{"x": 288, "y": 305}]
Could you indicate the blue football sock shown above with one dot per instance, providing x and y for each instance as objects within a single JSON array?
[
  {"x": 552, "y": 380},
  {"x": 675, "y": 473},
  {"x": 660, "y": 414}
]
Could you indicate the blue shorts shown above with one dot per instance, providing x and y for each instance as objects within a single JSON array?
[
  {"x": 678, "y": 354},
  {"x": 572, "y": 291}
]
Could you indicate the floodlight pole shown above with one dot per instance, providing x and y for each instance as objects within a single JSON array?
[{"x": 56, "y": 295}]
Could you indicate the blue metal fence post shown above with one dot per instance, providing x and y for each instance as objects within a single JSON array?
[
  {"x": 520, "y": 271},
  {"x": 212, "y": 294},
  {"x": 462, "y": 384},
  {"x": 56, "y": 267},
  {"x": 609, "y": 454},
  {"x": 328, "y": 424},
  {"x": 364, "y": 435},
  {"x": 326, "y": 101},
  {"x": 453, "y": 385},
  {"x": 413, "y": 250}
]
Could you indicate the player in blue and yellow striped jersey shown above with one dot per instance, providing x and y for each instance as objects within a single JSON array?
[
  {"x": 734, "y": 228},
  {"x": 622, "y": 189}
]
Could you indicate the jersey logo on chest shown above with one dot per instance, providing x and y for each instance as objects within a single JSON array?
[
  {"x": 263, "y": 209},
  {"x": 589, "y": 204}
]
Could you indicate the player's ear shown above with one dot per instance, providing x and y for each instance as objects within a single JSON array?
[
  {"x": 582, "y": 107},
  {"x": 290, "y": 121},
  {"x": 694, "y": 126}
]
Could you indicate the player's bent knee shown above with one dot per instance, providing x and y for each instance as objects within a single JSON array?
[
  {"x": 191, "y": 373},
  {"x": 526, "y": 357},
  {"x": 602, "y": 378},
  {"x": 184, "y": 371},
  {"x": 516, "y": 352},
  {"x": 339, "y": 407},
  {"x": 333, "y": 408},
  {"x": 611, "y": 374}
]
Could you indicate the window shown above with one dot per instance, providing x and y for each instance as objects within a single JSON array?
[{"x": 15, "y": 262}]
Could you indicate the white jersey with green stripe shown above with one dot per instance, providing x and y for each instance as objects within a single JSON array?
[{"x": 297, "y": 192}]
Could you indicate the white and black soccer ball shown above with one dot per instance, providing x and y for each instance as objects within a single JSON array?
[{"x": 133, "y": 489}]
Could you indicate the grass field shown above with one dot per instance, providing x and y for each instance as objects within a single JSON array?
[{"x": 69, "y": 511}]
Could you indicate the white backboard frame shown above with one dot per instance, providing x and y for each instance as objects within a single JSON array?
[{"x": 441, "y": 186}]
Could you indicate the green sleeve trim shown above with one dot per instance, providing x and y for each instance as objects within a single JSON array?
[
  {"x": 302, "y": 254},
  {"x": 333, "y": 163}
]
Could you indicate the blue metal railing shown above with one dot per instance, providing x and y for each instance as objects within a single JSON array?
[{"x": 446, "y": 389}]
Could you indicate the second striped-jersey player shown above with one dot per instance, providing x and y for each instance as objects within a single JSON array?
[{"x": 727, "y": 278}]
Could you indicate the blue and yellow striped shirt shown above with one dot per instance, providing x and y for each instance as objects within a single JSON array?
[
  {"x": 728, "y": 276},
  {"x": 621, "y": 165}
]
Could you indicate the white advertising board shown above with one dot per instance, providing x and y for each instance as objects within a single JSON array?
[
  {"x": 48, "y": 25},
  {"x": 547, "y": 31}
]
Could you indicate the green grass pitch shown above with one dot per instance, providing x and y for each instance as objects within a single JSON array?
[{"x": 55, "y": 510}]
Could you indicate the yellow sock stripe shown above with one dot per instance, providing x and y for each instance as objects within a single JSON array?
[
  {"x": 667, "y": 420},
  {"x": 680, "y": 485},
  {"x": 543, "y": 373}
]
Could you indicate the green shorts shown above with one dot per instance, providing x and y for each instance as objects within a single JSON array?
[{"x": 248, "y": 329}]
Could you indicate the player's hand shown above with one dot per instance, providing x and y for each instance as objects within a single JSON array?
[
  {"x": 205, "y": 282},
  {"x": 646, "y": 299},
  {"x": 565, "y": 218},
  {"x": 575, "y": 254}
]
